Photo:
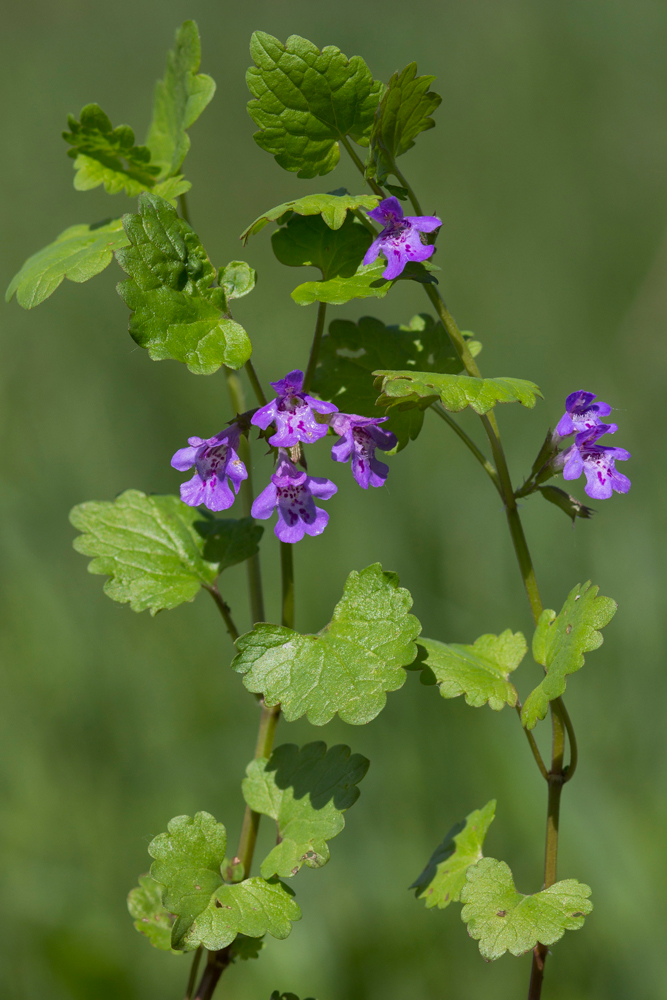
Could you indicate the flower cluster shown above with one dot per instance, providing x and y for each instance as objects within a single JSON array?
[
  {"x": 291, "y": 491},
  {"x": 583, "y": 418}
]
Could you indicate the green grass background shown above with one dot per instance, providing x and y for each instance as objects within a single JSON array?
[{"x": 548, "y": 168}]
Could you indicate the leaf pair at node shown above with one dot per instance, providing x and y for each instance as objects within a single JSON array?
[
  {"x": 158, "y": 551},
  {"x": 351, "y": 352},
  {"x": 481, "y": 671}
]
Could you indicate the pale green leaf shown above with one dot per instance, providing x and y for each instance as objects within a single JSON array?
[
  {"x": 237, "y": 279},
  {"x": 171, "y": 188},
  {"x": 107, "y": 155},
  {"x": 502, "y": 919},
  {"x": 347, "y": 667},
  {"x": 175, "y": 311},
  {"x": 151, "y": 918},
  {"x": 180, "y": 98},
  {"x": 306, "y": 791},
  {"x": 366, "y": 282},
  {"x": 332, "y": 207},
  {"x": 404, "y": 112},
  {"x": 445, "y": 874},
  {"x": 480, "y": 672},
  {"x": 79, "y": 253},
  {"x": 454, "y": 391},
  {"x": 307, "y": 101},
  {"x": 187, "y": 864},
  {"x": 559, "y": 644}
]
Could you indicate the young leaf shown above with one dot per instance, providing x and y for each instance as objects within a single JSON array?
[
  {"x": 156, "y": 549},
  {"x": 403, "y": 113},
  {"x": 454, "y": 391},
  {"x": 307, "y": 102},
  {"x": 179, "y": 100},
  {"x": 568, "y": 504},
  {"x": 306, "y": 241},
  {"x": 333, "y": 208},
  {"x": 559, "y": 644},
  {"x": 480, "y": 671},
  {"x": 347, "y": 667},
  {"x": 151, "y": 918},
  {"x": 237, "y": 279},
  {"x": 79, "y": 253},
  {"x": 175, "y": 311},
  {"x": 106, "y": 155},
  {"x": 445, "y": 874},
  {"x": 502, "y": 919},
  {"x": 351, "y": 352},
  {"x": 208, "y": 912},
  {"x": 366, "y": 282},
  {"x": 306, "y": 791}
]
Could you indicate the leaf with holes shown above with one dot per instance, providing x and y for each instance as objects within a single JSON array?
[
  {"x": 107, "y": 155},
  {"x": 306, "y": 791},
  {"x": 502, "y": 919},
  {"x": 333, "y": 208},
  {"x": 151, "y": 918},
  {"x": 187, "y": 864},
  {"x": 455, "y": 392},
  {"x": 404, "y": 112},
  {"x": 480, "y": 672},
  {"x": 175, "y": 311},
  {"x": 348, "y": 667},
  {"x": 445, "y": 874},
  {"x": 559, "y": 644},
  {"x": 79, "y": 253},
  {"x": 179, "y": 100},
  {"x": 306, "y": 102}
]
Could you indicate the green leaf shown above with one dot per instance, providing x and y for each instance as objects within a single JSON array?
[
  {"x": 366, "y": 282},
  {"x": 403, "y": 113},
  {"x": 227, "y": 541},
  {"x": 445, "y": 874},
  {"x": 347, "y": 667},
  {"x": 79, "y": 253},
  {"x": 559, "y": 644},
  {"x": 332, "y": 207},
  {"x": 480, "y": 671},
  {"x": 245, "y": 948},
  {"x": 152, "y": 549},
  {"x": 306, "y": 791},
  {"x": 454, "y": 391},
  {"x": 502, "y": 919},
  {"x": 351, "y": 352},
  {"x": 287, "y": 996},
  {"x": 179, "y": 100},
  {"x": 208, "y": 912},
  {"x": 237, "y": 279},
  {"x": 568, "y": 504},
  {"x": 175, "y": 311},
  {"x": 307, "y": 102},
  {"x": 151, "y": 918},
  {"x": 107, "y": 155},
  {"x": 171, "y": 188},
  {"x": 307, "y": 241}
]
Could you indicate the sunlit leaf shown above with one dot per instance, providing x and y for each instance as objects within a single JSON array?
[
  {"x": 404, "y": 112},
  {"x": 333, "y": 208},
  {"x": 480, "y": 671},
  {"x": 366, "y": 282},
  {"x": 445, "y": 874},
  {"x": 107, "y": 155},
  {"x": 455, "y": 392}
]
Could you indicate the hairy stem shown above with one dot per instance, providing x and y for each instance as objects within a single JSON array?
[
  {"x": 411, "y": 195},
  {"x": 216, "y": 965},
  {"x": 223, "y": 608},
  {"x": 192, "y": 979},
  {"x": 315, "y": 348},
  {"x": 375, "y": 188}
]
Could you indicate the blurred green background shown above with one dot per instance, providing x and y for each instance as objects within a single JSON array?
[{"x": 548, "y": 168}]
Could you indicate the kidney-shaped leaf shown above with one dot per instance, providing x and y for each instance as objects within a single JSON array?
[
  {"x": 455, "y": 392},
  {"x": 502, "y": 919},
  {"x": 559, "y": 644},
  {"x": 347, "y": 667},
  {"x": 332, "y": 207},
  {"x": 306, "y": 241},
  {"x": 480, "y": 672}
]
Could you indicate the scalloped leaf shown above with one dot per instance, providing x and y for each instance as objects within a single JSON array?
[
  {"x": 502, "y": 919},
  {"x": 79, "y": 253},
  {"x": 306, "y": 102},
  {"x": 188, "y": 860},
  {"x": 403, "y": 113},
  {"x": 559, "y": 644},
  {"x": 306, "y": 791},
  {"x": 455, "y": 392},
  {"x": 333, "y": 208},
  {"x": 445, "y": 874},
  {"x": 480, "y": 672},
  {"x": 348, "y": 667},
  {"x": 306, "y": 241},
  {"x": 175, "y": 312},
  {"x": 366, "y": 282},
  {"x": 107, "y": 155},
  {"x": 151, "y": 918}
]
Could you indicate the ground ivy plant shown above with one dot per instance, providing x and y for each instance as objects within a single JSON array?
[{"x": 365, "y": 388}]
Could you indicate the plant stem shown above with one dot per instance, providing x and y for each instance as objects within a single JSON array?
[
  {"x": 255, "y": 383},
  {"x": 411, "y": 195},
  {"x": 469, "y": 443},
  {"x": 223, "y": 608},
  {"x": 216, "y": 965},
  {"x": 315, "y": 348},
  {"x": 287, "y": 573},
  {"x": 193, "y": 972},
  {"x": 375, "y": 188}
]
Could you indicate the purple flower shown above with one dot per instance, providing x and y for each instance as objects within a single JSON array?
[
  {"x": 360, "y": 436},
  {"x": 597, "y": 461},
  {"x": 582, "y": 414},
  {"x": 215, "y": 460},
  {"x": 292, "y": 413},
  {"x": 291, "y": 491},
  {"x": 399, "y": 240}
]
